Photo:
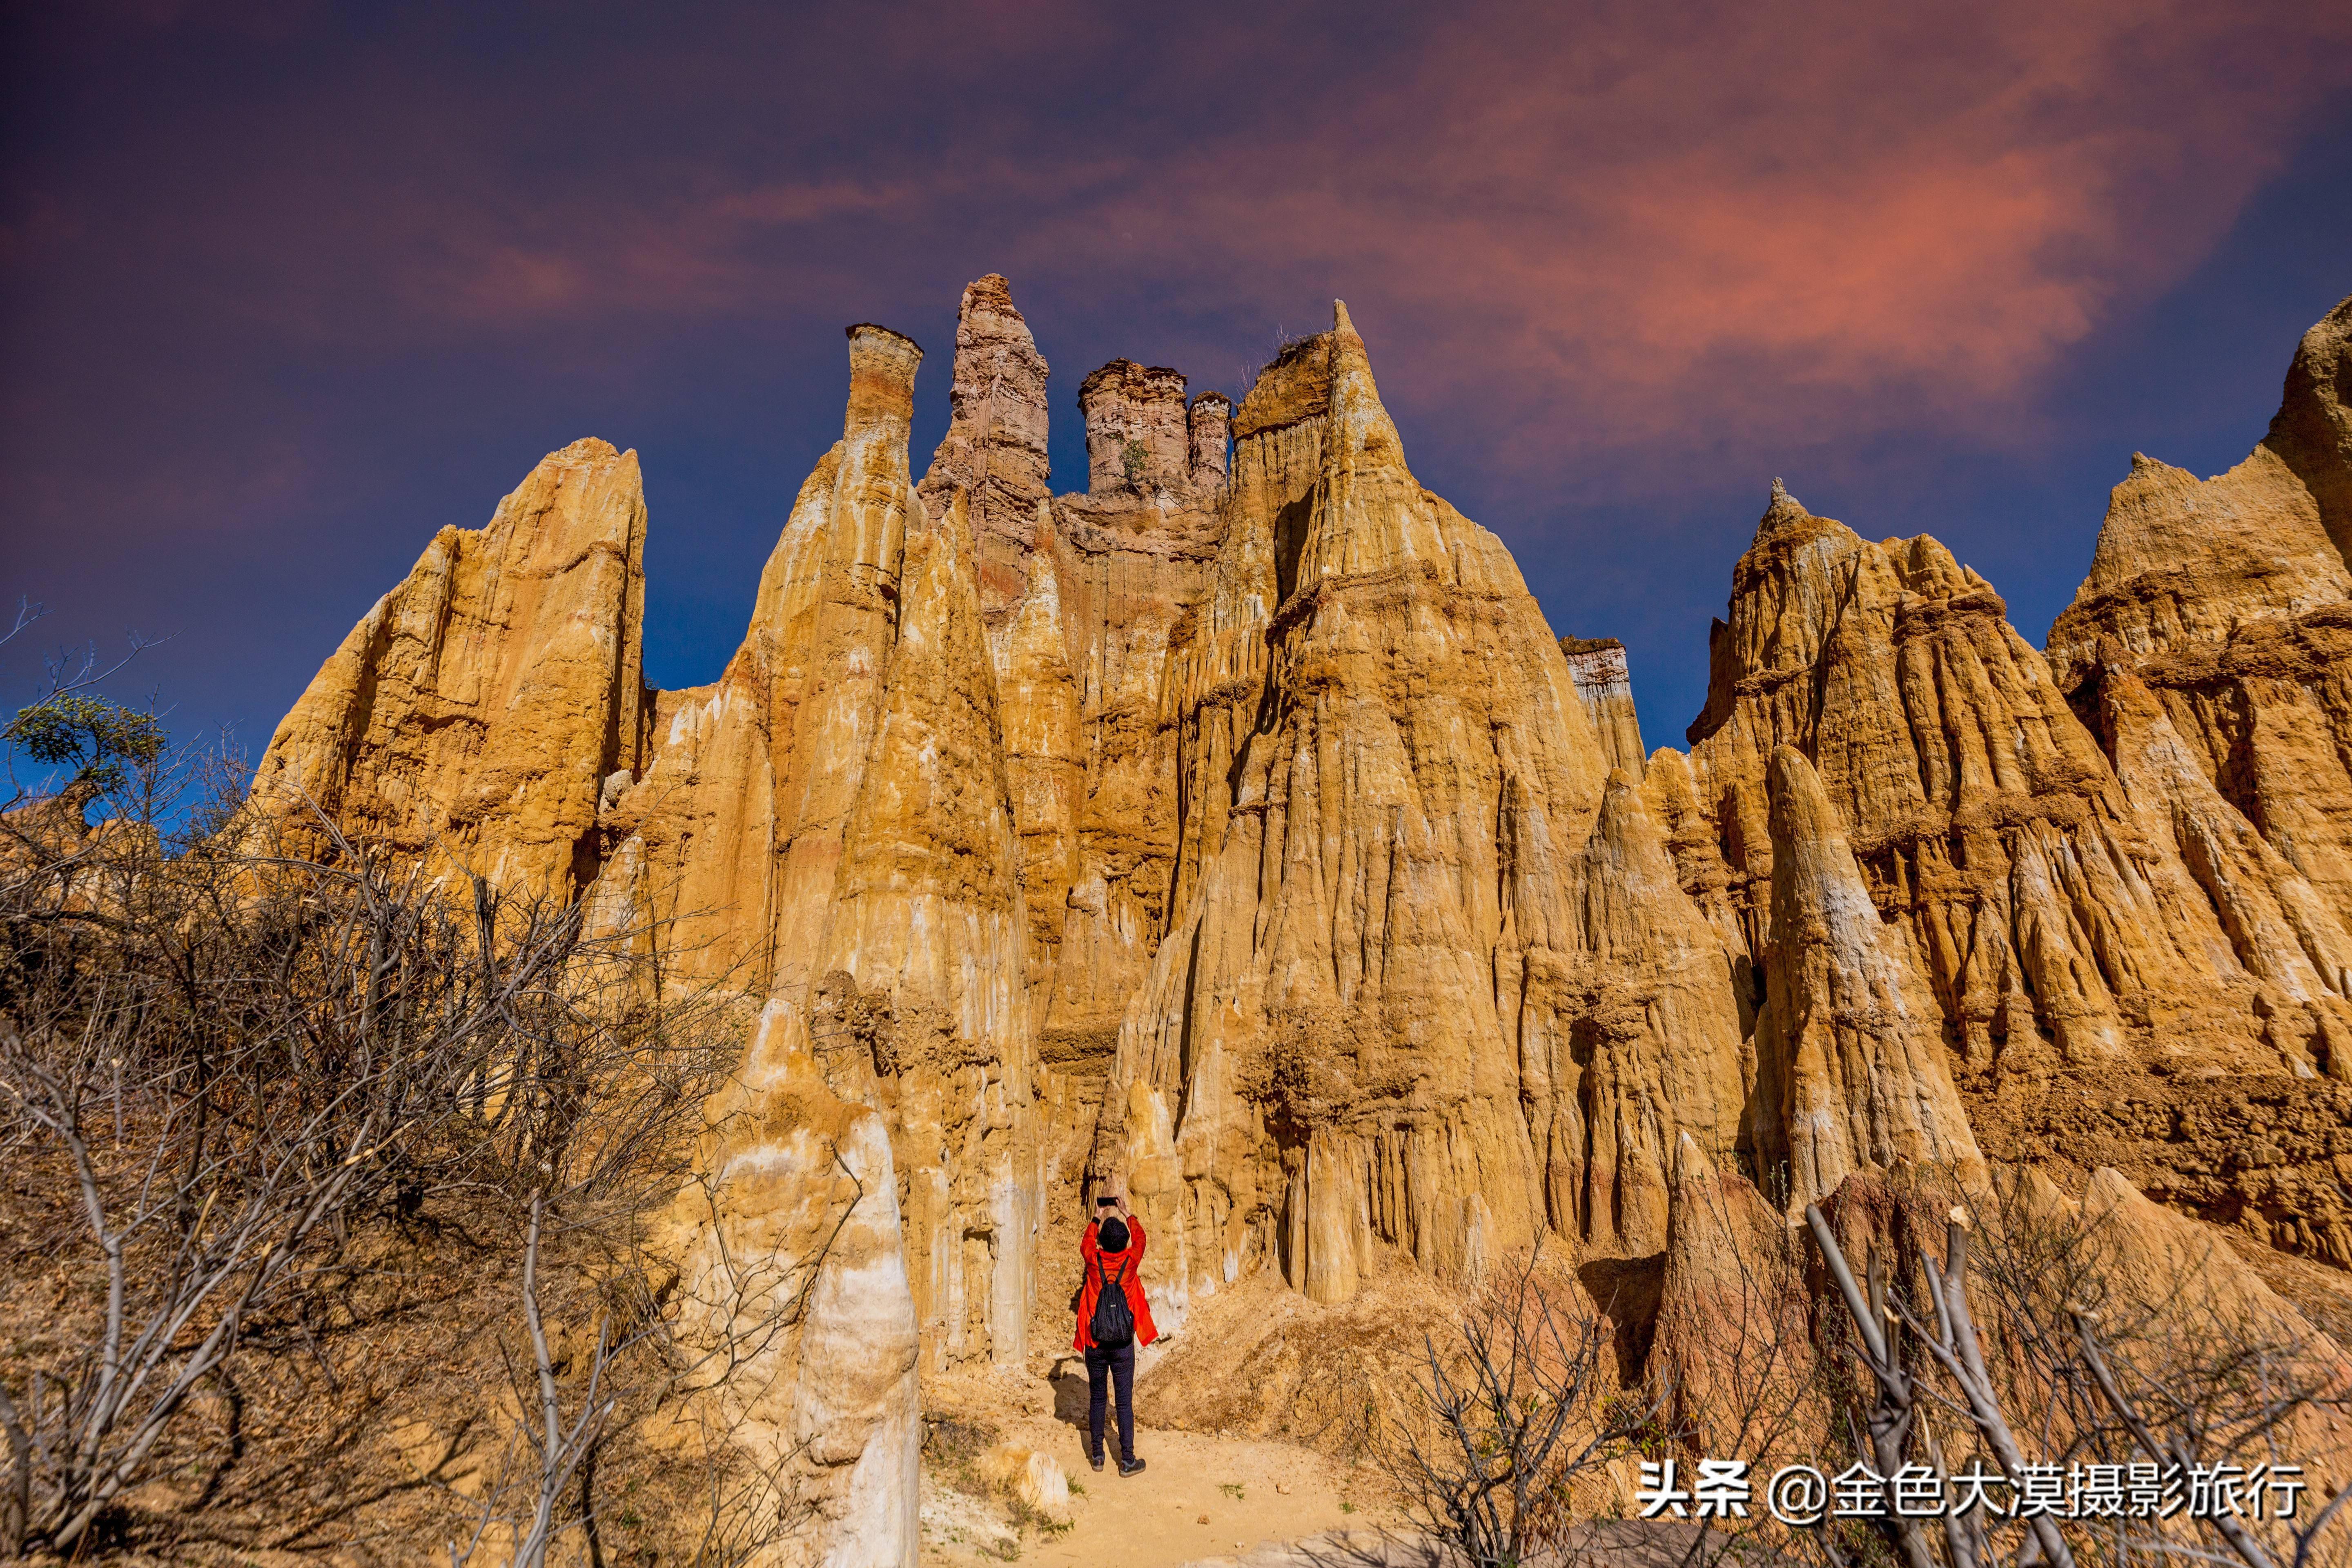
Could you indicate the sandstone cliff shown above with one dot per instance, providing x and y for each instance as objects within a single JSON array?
[
  {"x": 1237, "y": 831},
  {"x": 2094, "y": 933},
  {"x": 477, "y": 709},
  {"x": 1397, "y": 1014}
]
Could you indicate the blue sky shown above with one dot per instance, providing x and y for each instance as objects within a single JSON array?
[{"x": 287, "y": 287}]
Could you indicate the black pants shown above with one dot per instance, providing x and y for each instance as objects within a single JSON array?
[{"x": 1102, "y": 1366}]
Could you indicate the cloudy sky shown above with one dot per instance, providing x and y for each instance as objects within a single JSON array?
[{"x": 285, "y": 286}]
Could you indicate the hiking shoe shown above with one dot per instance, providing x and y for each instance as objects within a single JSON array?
[
  {"x": 1094, "y": 1460},
  {"x": 1129, "y": 1467}
]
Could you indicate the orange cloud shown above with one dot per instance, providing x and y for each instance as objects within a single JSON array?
[{"x": 1607, "y": 222}]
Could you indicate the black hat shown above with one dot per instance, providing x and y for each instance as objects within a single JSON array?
[{"x": 1113, "y": 1237}]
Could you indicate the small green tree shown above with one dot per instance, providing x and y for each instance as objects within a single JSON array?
[{"x": 89, "y": 734}]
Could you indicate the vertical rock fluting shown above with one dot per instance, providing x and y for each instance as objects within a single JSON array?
[
  {"x": 1046, "y": 756},
  {"x": 479, "y": 709},
  {"x": 994, "y": 456},
  {"x": 1217, "y": 664},
  {"x": 1850, "y": 1062},
  {"x": 792, "y": 1270},
  {"x": 1629, "y": 1032},
  {"x": 848, "y": 646},
  {"x": 1133, "y": 555},
  {"x": 732, "y": 836},
  {"x": 922, "y": 1007},
  {"x": 1242, "y": 814},
  {"x": 2229, "y": 598},
  {"x": 2212, "y": 637},
  {"x": 1383, "y": 961},
  {"x": 830, "y": 824},
  {"x": 2054, "y": 912},
  {"x": 1105, "y": 580}
]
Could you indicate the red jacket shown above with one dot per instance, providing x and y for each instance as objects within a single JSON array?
[{"x": 1124, "y": 1267}]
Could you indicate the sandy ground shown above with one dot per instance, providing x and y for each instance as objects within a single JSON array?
[
  {"x": 1212, "y": 1493},
  {"x": 1200, "y": 1496}
]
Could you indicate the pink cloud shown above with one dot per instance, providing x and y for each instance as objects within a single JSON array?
[{"x": 1610, "y": 221}]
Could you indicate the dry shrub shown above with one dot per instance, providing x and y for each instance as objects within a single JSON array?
[
  {"x": 1512, "y": 1417},
  {"x": 2022, "y": 1327},
  {"x": 330, "y": 1179}
]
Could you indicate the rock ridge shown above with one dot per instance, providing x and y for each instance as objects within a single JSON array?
[{"x": 1236, "y": 831}]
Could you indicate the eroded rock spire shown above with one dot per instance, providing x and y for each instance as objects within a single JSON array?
[
  {"x": 1374, "y": 979},
  {"x": 2226, "y": 598},
  {"x": 995, "y": 447},
  {"x": 925, "y": 925},
  {"x": 1236, "y": 829},
  {"x": 1850, "y": 1065}
]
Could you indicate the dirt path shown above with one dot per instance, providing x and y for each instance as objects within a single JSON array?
[{"x": 1199, "y": 1497}]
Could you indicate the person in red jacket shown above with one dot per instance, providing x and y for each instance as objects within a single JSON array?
[{"x": 1112, "y": 1249}]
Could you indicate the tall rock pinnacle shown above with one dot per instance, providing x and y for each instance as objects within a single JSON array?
[
  {"x": 2313, "y": 429},
  {"x": 1605, "y": 684},
  {"x": 2228, "y": 598},
  {"x": 1235, "y": 833},
  {"x": 1138, "y": 437},
  {"x": 1323, "y": 1026},
  {"x": 2082, "y": 918},
  {"x": 819, "y": 741},
  {"x": 995, "y": 445},
  {"x": 925, "y": 920},
  {"x": 832, "y": 823},
  {"x": 1210, "y": 426}
]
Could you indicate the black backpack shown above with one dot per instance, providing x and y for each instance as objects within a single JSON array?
[{"x": 1114, "y": 1320}]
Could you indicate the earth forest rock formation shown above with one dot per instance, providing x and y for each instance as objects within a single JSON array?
[{"x": 1236, "y": 830}]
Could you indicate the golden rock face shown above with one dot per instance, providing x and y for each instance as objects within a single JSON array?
[
  {"x": 2114, "y": 870},
  {"x": 479, "y": 707},
  {"x": 2228, "y": 599},
  {"x": 1238, "y": 831}
]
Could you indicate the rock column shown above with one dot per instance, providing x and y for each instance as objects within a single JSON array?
[
  {"x": 995, "y": 446},
  {"x": 1137, "y": 436},
  {"x": 1212, "y": 429},
  {"x": 1605, "y": 685}
]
